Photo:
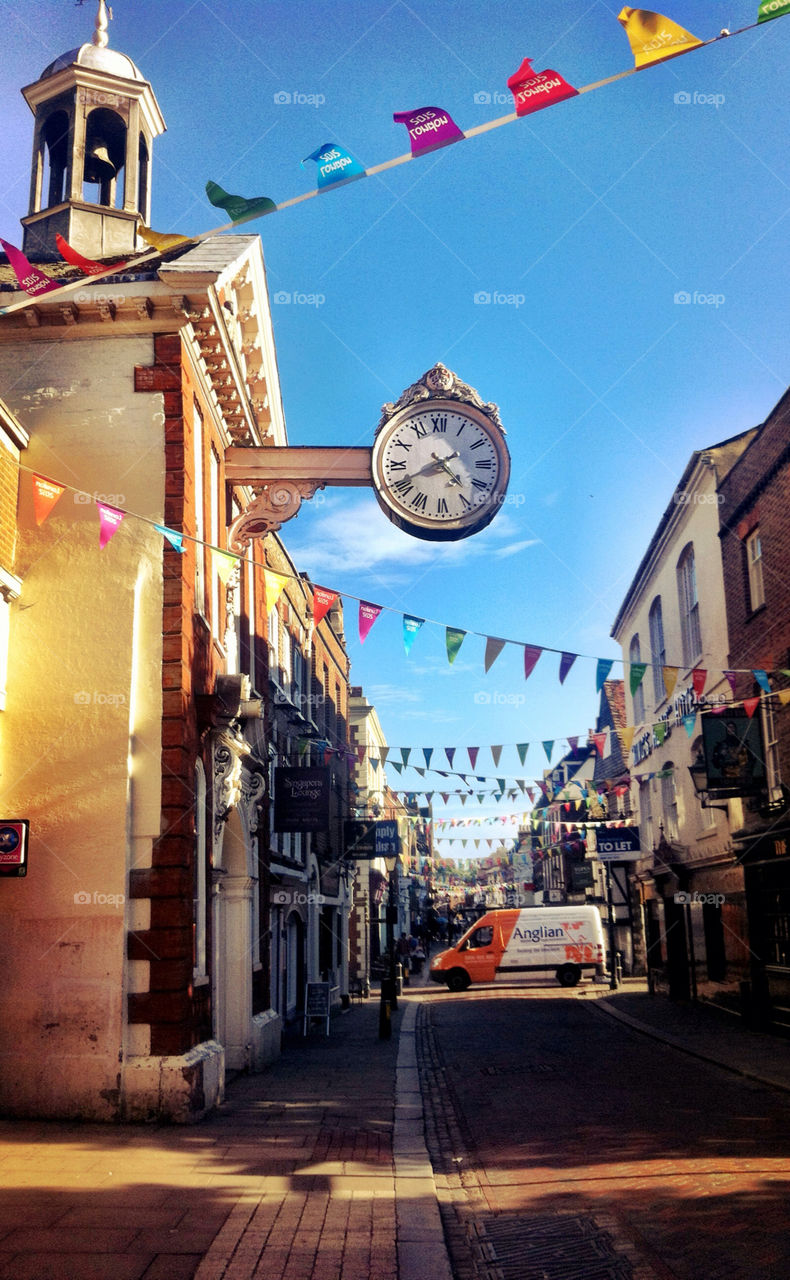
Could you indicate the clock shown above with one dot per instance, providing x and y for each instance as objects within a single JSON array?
[{"x": 440, "y": 465}]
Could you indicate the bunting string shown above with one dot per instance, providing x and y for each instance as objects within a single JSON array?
[{"x": 653, "y": 39}]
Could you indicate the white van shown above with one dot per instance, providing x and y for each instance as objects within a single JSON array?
[{"x": 517, "y": 944}]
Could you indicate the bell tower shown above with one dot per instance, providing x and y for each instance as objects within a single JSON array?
[{"x": 95, "y": 122}]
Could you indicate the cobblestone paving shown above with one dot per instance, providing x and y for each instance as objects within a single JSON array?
[{"x": 539, "y": 1107}]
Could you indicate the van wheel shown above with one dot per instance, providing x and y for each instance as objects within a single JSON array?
[
  {"x": 568, "y": 975},
  {"x": 457, "y": 980}
]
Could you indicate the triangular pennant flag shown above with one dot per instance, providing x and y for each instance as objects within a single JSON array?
[
  {"x": 175, "y": 539},
  {"x": 29, "y": 278},
  {"x": 87, "y": 265},
  {"x": 45, "y": 495},
  {"x": 670, "y": 675},
  {"x": 450, "y": 753},
  {"x": 784, "y": 697},
  {"x": 637, "y": 672},
  {"x": 396, "y": 764},
  {"x": 494, "y": 647},
  {"x": 445, "y": 796},
  {"x": 495, "y": 754},
  {"x": 762, "y": 679},
  {"x": 302, "y": 745},
  {"x": 367, "y": 616},
  {"x": 453, "y": 639},
  {"x": 273, "y": 586},
  {"x": 573, "y": 743},
  {"x": 418, "y": 770},
  {"x": 732, "y": 680},
  {"x": 383, "y": 753},
  {"x": 772, "y": 9},
  {"x": 237, "y": 208},
  {"x": 750, "y": 705},
  {"x": 323, "y": 599},
  {"x": 534, "y": 90},
  {"x": 548, "y": 747},
  {"x": 405, "y": 752},
  {"x": 698, "y": 678},
  {"x": 335, "y": 165},
  {"x": 427, "y": 753},
  {"x": 472, "y": 753},
  {"x": 600, "y": 743},
  {"x": 463, "y": 797},
  {"x": 522, "y": 748},
  {"x": 626, "y": 737},
  {"x": 361, "y": 753},
  {"x": 110, "y": 520},
  {"x": 411, "y": 626},
  {"x": 689, "y": 723},
  {"x": 531, "y": 655},
  {"x": 654, "y": 38},
  {"x": 429, "y": 128},
  {"x": 164, "y": 241},
  {"x": 660, "y": 731},
  {"x": 224, "y": 564},
  {"x": 566, "y": 662},
  {"x": 602, "y": 670}
]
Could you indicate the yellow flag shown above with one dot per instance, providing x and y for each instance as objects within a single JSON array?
[
  {"x": 273, "y": 584},
  {"x": 653, "y": 37},
  {"x": 161, "y": 240},
  {"x": 626, "y": 737},
  {"x": 784, "y": 697},
  {"x": 670, "y": 675},
  {"x": 224, "y": 563}
]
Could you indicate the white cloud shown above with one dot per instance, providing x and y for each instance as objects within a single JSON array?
[{"x": 513, "y": 548}]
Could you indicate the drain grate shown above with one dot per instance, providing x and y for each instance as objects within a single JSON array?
[{"x": 560, "y": 1247}]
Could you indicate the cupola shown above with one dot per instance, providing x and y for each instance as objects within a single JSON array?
[{"x": 95, "y": 121}]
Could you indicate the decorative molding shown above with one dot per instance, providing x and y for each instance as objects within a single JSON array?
[
  {"x": 277, "y": 502},
  {"x": 439, "y": 383}
]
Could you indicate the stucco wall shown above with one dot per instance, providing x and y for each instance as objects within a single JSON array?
[{"x": 80, "y": 738}]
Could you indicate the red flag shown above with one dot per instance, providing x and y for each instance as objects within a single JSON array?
[
  {"x": 699, "y": 676},
  {"x": 534, "y": 90},
  {"x": 323, "y": 599},
  {"x": 45, "y": 495},
  {"x": 600, "y": 743},
  {"x": 87, "y": 265},
  {"x": 750, "y": 705}
]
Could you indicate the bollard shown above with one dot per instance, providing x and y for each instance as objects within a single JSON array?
[{"x": 385, "y": 1010}]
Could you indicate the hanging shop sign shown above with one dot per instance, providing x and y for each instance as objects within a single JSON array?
[
  {"x": 13, "y": 846},
  {"x": 372, "y": 839},
  {"x": 734, "y": 755},
  {"x": 301, "y": 798},
  {"x": 618, "y": 844}
]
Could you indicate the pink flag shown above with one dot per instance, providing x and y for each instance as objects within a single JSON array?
[
  {"x": 110, "y": 519},
  {"x": 472, "y": 753},
  {"x": 30, "y": 278},
  {"x": 429, "y": 128},
  {"x": 732, "y": 679},
  {"x": 367, "y": 616},
  {"x": 531, "y": 655}
]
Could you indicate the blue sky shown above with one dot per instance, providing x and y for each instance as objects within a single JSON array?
[{"x": 586, "y": 219}]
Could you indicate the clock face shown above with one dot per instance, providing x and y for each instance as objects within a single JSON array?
[{"x": 440, "y": 470}]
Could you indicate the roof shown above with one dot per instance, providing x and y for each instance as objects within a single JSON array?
[
  {"x": 209, "y": 257},
  {"x": 111, "y": 61}
]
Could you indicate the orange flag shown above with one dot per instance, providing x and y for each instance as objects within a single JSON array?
[{"x": 45, "y": 495}]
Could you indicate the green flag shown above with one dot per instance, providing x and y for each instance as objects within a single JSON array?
[
  {"x": 454, "y": 640},
  {"x": 638, "y": 670},
  {"x": 237, "y": 208},
  {"x": 773, "y": 9}
]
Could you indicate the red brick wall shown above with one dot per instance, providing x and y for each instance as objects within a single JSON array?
[{"x": 9, "y": 485}]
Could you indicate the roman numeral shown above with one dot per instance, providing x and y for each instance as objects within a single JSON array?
[
  {"x": 478, "y": 444},
  {"x": 419, "y": 502},
  {"x": 397, "y": 466},
  {"x": 467, "y": 505},
  {"x": 441, "y": 507},
  {"x": 400, "y": 444},
  {"x": 404, "y": 486},
  {"x": 419, "y": 430},
  {"x": 485, "y": 464},
  {"x": 439, "y": 424},
  {"x": 480, "y": 484}
]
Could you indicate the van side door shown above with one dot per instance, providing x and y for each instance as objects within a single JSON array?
[{"x": 480, "y": 953}]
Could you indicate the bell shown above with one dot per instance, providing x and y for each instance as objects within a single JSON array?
[{"x": 98, "y": 165}]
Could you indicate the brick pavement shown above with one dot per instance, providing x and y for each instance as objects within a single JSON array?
[{"x": 314, "y": 1170}]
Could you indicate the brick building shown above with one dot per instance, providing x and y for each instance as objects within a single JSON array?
[
  {"x": 152, "y": 686},
  {"x": 755, "y": 543}
]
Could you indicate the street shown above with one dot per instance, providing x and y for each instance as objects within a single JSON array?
[{"x": 542, "y": 1105}]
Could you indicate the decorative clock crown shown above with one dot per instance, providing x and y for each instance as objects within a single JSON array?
[{"x": 439, "y": 383}]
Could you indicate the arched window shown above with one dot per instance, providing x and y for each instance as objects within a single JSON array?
[
  {"x": 658, "y": 653},
  {"x": 105, "y": 155},
  {"x": 55, "y": 139},
  {"x": 639, "y": 693},
  {"x": 142, "y": 178},
  {"x": 689, "y": 606}
]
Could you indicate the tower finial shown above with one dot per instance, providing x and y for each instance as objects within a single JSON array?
[{"x": 99, "y": 37}]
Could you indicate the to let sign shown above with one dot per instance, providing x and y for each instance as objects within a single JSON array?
[
  {"x": 619, "y": 844},
  {"x": 13, "y": 846}
]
